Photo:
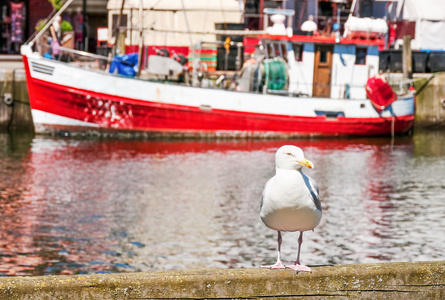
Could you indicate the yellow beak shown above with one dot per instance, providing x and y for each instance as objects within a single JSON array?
[{"x": 307, "y": 163}]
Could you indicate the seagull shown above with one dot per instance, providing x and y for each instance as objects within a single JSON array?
[{"x": 290, "y": 201}]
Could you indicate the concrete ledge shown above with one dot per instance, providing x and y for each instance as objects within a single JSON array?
[
  {"x": 10, "y": 62},
  {"x": 365, "y": 281}
]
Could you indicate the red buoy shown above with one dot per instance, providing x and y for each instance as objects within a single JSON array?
[{"x": 380, "y": 92}]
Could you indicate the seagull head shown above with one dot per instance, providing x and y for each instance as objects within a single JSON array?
[{"x": 291, "y": 158}]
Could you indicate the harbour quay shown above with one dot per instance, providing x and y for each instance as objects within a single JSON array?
[{"x": 399, "y": 280}]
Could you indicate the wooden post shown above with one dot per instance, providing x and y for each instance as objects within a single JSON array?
[
  {"x": 21, "y": 118},
  {"x": 261, "y": 17},
  {"x": 141, "y": 37},
  {"x": 116, "y": 30},
  {"x": 407, "y": 57},
  {"x": 120, "y": 43},
  {"x": 15, "y": 113}
]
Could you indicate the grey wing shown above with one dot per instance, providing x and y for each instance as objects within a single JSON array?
[
  {"x": 262, "y": 200},
  {"x": 312, "y": 185},
  {"x": 264, "y": 191}
]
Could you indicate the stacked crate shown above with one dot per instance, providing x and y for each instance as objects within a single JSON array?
[{"x": 207, "y": 56}]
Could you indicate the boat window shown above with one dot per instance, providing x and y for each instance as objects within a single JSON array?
[
  {"x": 298, "y": 51},
  {"x": 283, "y": 50},
  {"x": 323, "y": 55},
  {"x": 277, "y": 48},
  {"x": 270, "y": 50},
  {"x": 123, "y": 22},
  {"x": 360, "y": 56},
  {"x": 366, "y": 8}
]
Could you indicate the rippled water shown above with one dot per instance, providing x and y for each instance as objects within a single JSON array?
[{"x": 72, "y": 206}]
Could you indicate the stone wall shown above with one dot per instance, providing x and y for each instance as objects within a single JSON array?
[
  {"x": 430, "y": 110},
  {"x": 15, "y": 112}
]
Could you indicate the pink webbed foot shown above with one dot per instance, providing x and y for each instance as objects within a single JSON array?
[
  {"x": 277, "y": 265},
  {"x": 299, "y": 268}
]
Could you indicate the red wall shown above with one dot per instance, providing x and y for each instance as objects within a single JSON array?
[{"x": 37, "y": 9}]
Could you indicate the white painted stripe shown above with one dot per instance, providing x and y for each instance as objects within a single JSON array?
[{"x": 44, "y": 118}]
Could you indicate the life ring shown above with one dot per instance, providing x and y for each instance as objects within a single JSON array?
[{"x": 380, "y": 92}]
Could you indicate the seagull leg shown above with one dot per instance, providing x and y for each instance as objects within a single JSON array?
[
  {"x": 278, "y": 264},
  {"x": 297, "y": 267}
]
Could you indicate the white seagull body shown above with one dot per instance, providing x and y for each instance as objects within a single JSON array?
[{"x": 290, "y": 201}]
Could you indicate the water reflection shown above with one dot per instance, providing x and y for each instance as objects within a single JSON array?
[{"x": 87, "y": 206}]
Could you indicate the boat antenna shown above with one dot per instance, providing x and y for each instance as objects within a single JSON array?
[
  {"x": 187, "y": 22},
  {"x": 116, "y": 28},
  {"x": 190, "y": 38},
  {"x": 206, "y": 14},
  {"x": 141, "y": 39},
  {"x": 353, "y": 5},
  {"x": 223, "y": 14}
]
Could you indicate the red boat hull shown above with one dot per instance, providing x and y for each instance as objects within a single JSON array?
[{"x": 106, "y": 112}]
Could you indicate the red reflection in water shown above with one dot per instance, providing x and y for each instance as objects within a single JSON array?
[
  {"x": 115, "y": 148},
  {"x": 70, "y": 233},
  {"x": 380, "y": 190}
]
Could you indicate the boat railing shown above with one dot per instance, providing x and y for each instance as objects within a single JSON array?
[
  {"x": 84, "y": 54},
  {"x": 102, "y": 63},
  {"x": 79, "y": 58}
]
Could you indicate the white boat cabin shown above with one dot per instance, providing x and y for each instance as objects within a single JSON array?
[
  {"x": 320, "y": 67},
  {"x": 333, "y": 66}
]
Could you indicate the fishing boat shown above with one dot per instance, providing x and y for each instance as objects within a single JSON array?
[{"x": 291, "y": 86}]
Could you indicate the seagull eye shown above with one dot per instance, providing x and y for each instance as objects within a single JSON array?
[{"x": 289, "y": 153}]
